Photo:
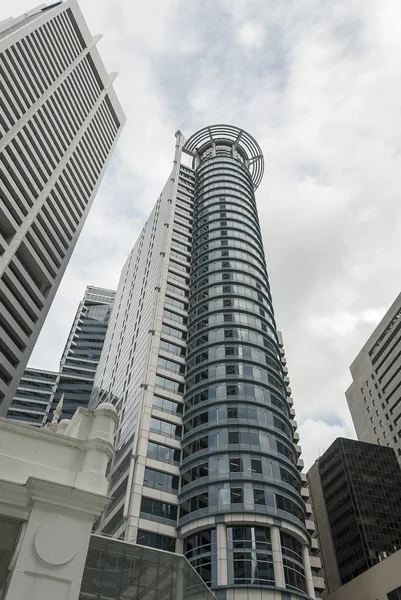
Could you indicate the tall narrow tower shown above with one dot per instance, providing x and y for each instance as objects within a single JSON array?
[
  {"x": 39, "y": 392},
  {"x": 206, "y": 460},
  {"x": 59, "y": 123},
  {"x": 82, "y": 351}
]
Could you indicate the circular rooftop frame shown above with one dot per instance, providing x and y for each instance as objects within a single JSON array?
[{"x": 244, "y": 143}]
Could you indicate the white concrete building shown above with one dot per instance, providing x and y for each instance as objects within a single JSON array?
[
  {"x": 374, "y": 396},
  {"x": 381, "y": 582},
  {"x": 59, "y": 122},
  {"x": 53, "y": 487}
]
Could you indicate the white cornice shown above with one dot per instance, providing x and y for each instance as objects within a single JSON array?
[
  {"x": 17, "y": 496},
  {"x": 58, "y": 439}
]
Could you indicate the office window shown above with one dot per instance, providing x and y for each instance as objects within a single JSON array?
[
  {"x": 159, "y": 509},
  {"x": 155, "y": 540},
  {"x": 395, "y": 594},
  {"x": 235, "y": 465},
  {"x": 250, "y": 559},
  {"x": 237, "y": 495},
  {"x": 256, "y": 466},
  {"x": 259, "y": 496}
]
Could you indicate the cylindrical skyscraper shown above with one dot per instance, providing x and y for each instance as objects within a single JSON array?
[
  {"x": 207, "y": 462},
  {"x": 238, "y": 467}
]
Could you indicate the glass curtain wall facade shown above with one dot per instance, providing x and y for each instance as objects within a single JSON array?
[
  {"x": 355, "y": 489},
  {"x": 39, "y": 391},
  {"x": 82, "y": 351},
  {"x": 34, "y": 394},
  {"x": 206, "y": 461}
]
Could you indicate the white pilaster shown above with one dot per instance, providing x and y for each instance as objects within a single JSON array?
[
  {"x": 221, "y": 544},
  {"x": 179, "y": 546},
  {"x": 277, "y": 556},
  {"x": 51, "y": 555},
  {"x": 179, "y": 581},
  {"x": 308, "y": 572}
]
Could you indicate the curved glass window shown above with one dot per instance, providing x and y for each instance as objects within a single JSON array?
[
  {"x": 228, "y": 317},
  {"x": 250, "y": 557},
  {"x": 222, "y": 265},
  {"x": 244, "y": 391},
  {"x": 232, "y": 351},
  {"x": 228, "y": 205},
  {"x": 222, "y": 219},
  {"x": 228, "y": 277},
  {"x": 241, "y": 412},
  {"x": 233, "y": 233},
  {"x": 294, "y": 571},
  {"x": 200, "y": 550},
  {"x": 247, "y": 256},
  {"x": 239, "y": 370},
  {"x": 215, "y": 228},
  {"x": 233, "y": 335},
  {"x": 232, "y": 290},
  {"x": 194, "y": 503}
]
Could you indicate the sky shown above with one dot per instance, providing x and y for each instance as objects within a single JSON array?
[{"x": 317, "y": 83}]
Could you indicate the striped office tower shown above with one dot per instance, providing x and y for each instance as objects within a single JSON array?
[{"x": 59, "y": 122}]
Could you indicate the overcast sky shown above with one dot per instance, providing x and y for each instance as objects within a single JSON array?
[{"x": 317, "y": 83}]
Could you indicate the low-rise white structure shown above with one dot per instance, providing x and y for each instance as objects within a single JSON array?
[{"x": 53, "y": 487}]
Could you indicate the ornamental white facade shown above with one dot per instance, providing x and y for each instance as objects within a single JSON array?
[{"x": 53, "y": 487}]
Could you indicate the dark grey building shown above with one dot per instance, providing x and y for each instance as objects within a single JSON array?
[
  {"x": 355, "y": 494},
  {"x": 59, "y": 123},
  {"x": 207, "y": 462},
  {"x": 40, "y": 391}
]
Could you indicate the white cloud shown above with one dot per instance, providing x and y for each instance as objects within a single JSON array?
[
  {"x": 317, "y": 437},
  {"x": 341, "y": 324},
  {"x": 251, "y": 34},
  {"x": 317, "y": 84}
]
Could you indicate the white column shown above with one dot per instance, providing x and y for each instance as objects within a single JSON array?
[
  {"x": 179, "y": 546},
  {"x": 277, "y": 556},
  {"x": 179, "y": 579},
  {"x": 50, "y": 556},
  {"x": 221, "y": 543},
  {"x": 308, "y": 572}
]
